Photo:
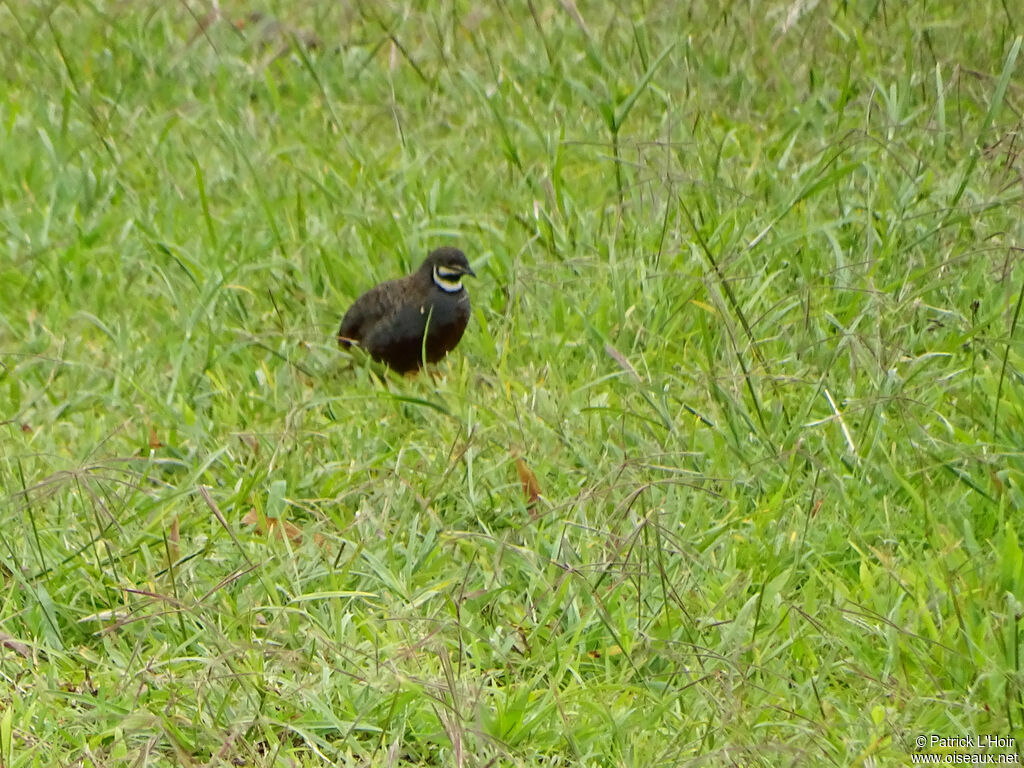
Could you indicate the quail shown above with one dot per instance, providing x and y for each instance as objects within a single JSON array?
[{"x": 419, "y": 317}]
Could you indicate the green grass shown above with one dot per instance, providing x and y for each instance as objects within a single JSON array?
[{"x": 748, "y": 297}]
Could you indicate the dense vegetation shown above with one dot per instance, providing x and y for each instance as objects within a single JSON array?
[{"x": 746, "y": 320}]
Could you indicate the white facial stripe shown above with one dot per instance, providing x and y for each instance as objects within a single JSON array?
[{"x": 442, "y": 279}]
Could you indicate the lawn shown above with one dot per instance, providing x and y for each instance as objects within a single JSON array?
[{"x": 728, "y": 469}]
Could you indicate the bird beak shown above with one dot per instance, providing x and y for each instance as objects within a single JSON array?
[{"x": 468, "y": 271}]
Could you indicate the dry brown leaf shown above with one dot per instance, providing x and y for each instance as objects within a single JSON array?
[
  {"x": 17, "y": 646},
  {"x": 174, "y": 539},
  {"x": 282, "y": 527},
  {"x": 531, "y": 488},
  {"x": 249, "y": 441},
  {"x": 624, "y": 364}
]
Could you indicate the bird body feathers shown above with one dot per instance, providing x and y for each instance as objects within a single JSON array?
[{"x": 419, "y": 317}]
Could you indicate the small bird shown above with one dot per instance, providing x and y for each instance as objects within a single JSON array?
[{"x": 421, "y": 316}]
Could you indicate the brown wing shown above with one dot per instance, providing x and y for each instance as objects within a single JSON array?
[{"x": 367, "y": 311}]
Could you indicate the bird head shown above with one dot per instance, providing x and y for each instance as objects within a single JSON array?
[{"x": 447, "y": 266}]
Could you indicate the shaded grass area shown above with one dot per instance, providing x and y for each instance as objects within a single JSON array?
[{"x": 747, "y": 310}]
